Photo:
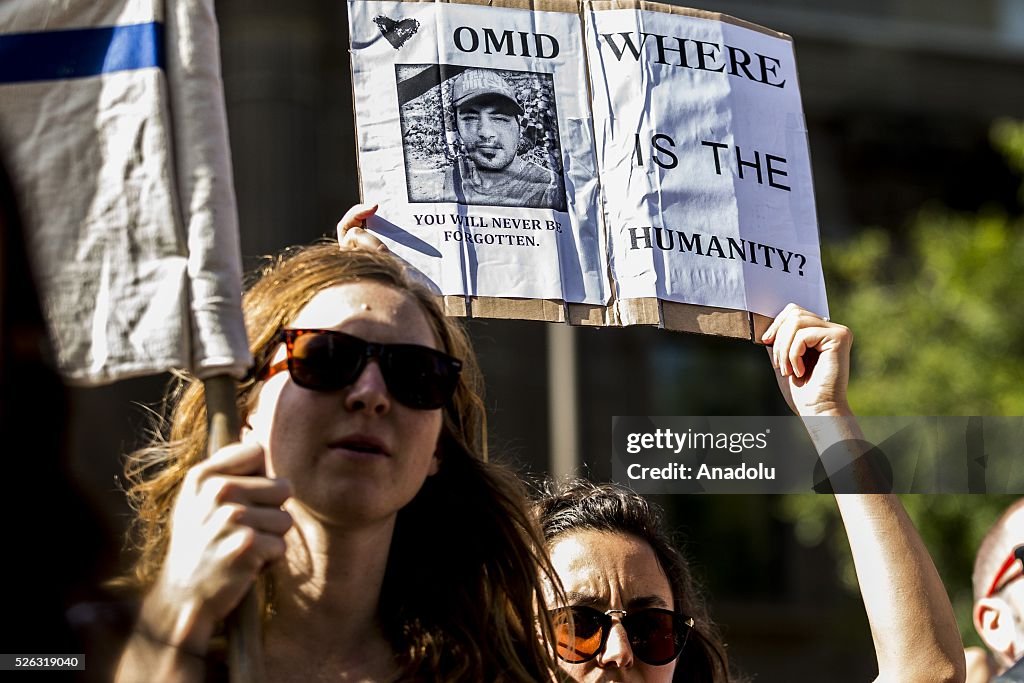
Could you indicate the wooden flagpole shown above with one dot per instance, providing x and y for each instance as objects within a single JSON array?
[{"x": 245, "y": 643}]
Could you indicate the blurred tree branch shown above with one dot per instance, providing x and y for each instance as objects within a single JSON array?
[{"x": 938, "y": 315}]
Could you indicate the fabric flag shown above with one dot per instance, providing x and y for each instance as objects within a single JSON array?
[{"x": 113, "y": 122}]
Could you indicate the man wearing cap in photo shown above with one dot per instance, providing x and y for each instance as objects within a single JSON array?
[
  {"x": 999, "y": 596},
  {"x": 488, "y": 116}
]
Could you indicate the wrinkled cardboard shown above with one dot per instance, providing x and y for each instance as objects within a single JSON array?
[{"x": 619, "y": 312}]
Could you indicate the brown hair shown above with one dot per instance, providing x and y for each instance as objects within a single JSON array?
[
  {"x": 578, "y": 504},
  {"x": 462, "y": 579}
]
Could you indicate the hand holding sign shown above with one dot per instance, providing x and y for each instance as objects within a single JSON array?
[
  {"x": 352, "y": 233},
  {"x": 812, "y": 360}
]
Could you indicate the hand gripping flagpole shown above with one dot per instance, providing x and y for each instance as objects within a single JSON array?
[
  {"x": 245, "y": 644},
  {"x": 204, "y": 180}
]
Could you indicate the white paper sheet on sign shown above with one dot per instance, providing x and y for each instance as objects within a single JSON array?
[
  {"x": 407, "y": 59},
  {"x": 685, "y": 168},
  {"x": 704, "y": 162}
]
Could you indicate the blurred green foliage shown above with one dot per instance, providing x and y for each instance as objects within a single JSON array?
[{"x": 938, "y": 315}]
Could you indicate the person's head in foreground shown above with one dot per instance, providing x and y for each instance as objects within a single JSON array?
[
  {"x": 998, "y": 589},
  {"x": 366, "y": 399},
  {"x": 487, "y": 117},
  {"x": 633, "y": 611}
]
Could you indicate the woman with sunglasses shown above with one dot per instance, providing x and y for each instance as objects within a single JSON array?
[
  {"x": 392, "y": 549},
  {"x": 632, "y": 611},
  {"x": 617, "y": 565}
]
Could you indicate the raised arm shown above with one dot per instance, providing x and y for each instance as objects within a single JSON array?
[{"x": 912, "y": 623}]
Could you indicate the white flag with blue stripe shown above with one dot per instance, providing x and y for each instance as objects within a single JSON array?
[{"x": 113, "y": 125}]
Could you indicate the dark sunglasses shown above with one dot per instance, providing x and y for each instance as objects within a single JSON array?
[
  {"x": 326, "y": 360},
  {"x": 656, "y": 636},
  {"x": 1016, "y": 557}
]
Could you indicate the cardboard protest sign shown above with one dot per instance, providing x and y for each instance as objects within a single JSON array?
[
  {"x": 724, "y": 213},
  {"x": 630, "y": 163},
  {"x": 113, "y": 120},
  {"x": 480, "y": 206}
]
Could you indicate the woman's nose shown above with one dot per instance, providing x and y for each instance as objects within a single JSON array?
[
  {"x": 617, "y": 651},
  {"x": 369, "y": 392}
]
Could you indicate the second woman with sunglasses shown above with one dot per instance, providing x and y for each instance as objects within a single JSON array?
[
  {"x": 393, "y": 550},
  {"x": 633, "y": 613}
]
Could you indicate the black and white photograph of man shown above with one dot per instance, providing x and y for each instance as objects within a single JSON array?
[{"x": 498, "y": 144}]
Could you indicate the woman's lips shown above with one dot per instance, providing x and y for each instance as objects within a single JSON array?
[{"x": 360, "y": 444}]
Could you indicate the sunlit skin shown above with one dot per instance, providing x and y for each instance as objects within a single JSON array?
[
  {"x": 606, "y": 571},
  {"x": 311, "y": 495},
  {"x": 998, "y": 618},
  {"x": 354, "y": 455},
  {"x": 490, "y": 131}
]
